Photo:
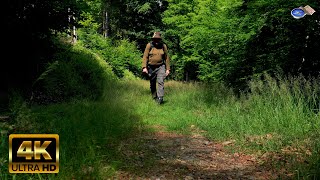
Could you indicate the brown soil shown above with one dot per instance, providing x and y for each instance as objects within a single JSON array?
[{"x": 167, "y": 155}]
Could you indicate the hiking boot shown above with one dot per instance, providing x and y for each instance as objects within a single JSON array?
[
  {"x": 154, "y": 96},
  {"x": 160, "y": 100}
]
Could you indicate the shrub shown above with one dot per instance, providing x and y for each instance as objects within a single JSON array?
[{"x": 75, "y": 73}]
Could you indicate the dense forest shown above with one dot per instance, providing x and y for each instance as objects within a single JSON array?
[
  {"x": 248, "y": 47},
  {"x": 229, "y": 41}
]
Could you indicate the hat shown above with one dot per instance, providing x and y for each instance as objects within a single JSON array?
[{"x": 156, "y": 35}]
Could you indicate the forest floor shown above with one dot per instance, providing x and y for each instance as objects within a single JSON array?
[{"x": 167, "y": 155}]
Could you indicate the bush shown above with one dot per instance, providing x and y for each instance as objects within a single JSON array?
[
  {"x": 75, "y": 73},
  {"x": 121, "y": 55}
]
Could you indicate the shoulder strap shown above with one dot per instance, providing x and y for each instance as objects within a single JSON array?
[
  {"x": 164, "y": 47},
  {"x": 151, "y": 45}
]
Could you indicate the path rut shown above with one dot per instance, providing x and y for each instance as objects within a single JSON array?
[{"x": 167, "y": 155}]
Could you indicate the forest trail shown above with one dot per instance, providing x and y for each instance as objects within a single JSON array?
[{"x": 167, "y": 155}]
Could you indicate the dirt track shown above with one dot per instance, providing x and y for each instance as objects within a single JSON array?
[{"x": 164, "y": 155}]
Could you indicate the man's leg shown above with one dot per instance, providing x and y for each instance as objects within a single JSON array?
[
  {"x": 161, "y": 75},
  {"x": 153, "y": 83}
]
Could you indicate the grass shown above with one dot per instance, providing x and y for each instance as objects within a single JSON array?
[
  {"x": 90, "y": 115},
  {"x": 268, "y": 120},
  {"x": 275, "y": 116},
  {"x": 222, "y": 115},
  {"x": 89, "y": 135}
]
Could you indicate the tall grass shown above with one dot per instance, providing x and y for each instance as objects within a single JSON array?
[
  {"x": 287, "y": 107},
  {"x": 277, "y": 114}
]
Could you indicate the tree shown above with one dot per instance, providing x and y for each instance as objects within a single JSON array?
[
  {"x": 233, "y": 40},
  {"x": 29, "y": 28}
]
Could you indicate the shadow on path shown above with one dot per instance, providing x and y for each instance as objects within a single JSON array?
[{"x": 164, "y": 155}]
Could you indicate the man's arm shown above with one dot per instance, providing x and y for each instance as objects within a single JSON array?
[
  {"x": 167, "y": 57},
  {"x": 145, "y": 56}
]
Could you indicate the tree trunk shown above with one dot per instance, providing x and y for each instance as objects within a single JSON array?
[
  {"x": 72, "y": 27},
  {"x": 106, "y": 19}
]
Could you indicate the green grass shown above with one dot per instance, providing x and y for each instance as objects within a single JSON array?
[
  {"x": 91, "y": 131},
  {"x": 222, "y": 115},
  {"x": 275, "y": 115},
  {"x": 90, "y": 115}
]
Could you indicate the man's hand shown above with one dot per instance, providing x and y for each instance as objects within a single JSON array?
[
  {"x": 145, "y": 70},
  {"x": 167, "y": 72}
]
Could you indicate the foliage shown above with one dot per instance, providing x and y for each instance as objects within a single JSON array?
[
  {"x": 233, "y": 40},
  {"x": 223, "y": 40},
  {"x": 120, "y": 54},
  {"x": 228, "y": 41},
  {"x": 30, "y": 27},
  {"x": 133, "y": 20},
  {"x": 75, "y": 73}
]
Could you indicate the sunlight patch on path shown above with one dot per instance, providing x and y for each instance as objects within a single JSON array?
[{"x": 167, "y": 155}]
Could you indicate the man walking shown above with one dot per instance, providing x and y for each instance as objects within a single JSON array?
[{"x": 156, "y": 63}]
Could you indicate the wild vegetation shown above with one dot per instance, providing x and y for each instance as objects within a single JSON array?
[{"x": 243, "y": 72}]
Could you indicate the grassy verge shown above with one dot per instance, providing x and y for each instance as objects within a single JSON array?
[
  {"x": 89, "y": 114},
  {"x": 89, "y": 135},
  {"x": 278, "y": 118}
]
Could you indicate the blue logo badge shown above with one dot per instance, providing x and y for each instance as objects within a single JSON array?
[{"x": 298, "y": 13}]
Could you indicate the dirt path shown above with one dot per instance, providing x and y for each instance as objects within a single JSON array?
[{"x": 164, "y": 155}]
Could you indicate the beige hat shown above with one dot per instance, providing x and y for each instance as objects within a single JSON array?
[{"x": 156, "y": 35}]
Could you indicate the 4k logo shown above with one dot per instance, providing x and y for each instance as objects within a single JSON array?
[{"x": 34, "y": 153}]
